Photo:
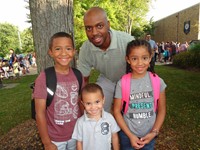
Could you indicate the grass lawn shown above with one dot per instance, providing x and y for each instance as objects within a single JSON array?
[
  {"x": 15, "y": 103},
  {"x": 183, "y": 103},
  {"x": 182, "y": 124}
]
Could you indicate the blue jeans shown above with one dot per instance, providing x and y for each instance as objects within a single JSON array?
[{"x": 125, "y": 143}]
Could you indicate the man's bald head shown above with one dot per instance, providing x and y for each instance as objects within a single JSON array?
[{"x": 95, "y": 11}]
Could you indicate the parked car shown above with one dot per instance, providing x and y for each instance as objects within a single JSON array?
[{"x": 193, "y": 42}]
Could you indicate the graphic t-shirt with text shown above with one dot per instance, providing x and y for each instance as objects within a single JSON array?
[
  {"x": 140, "y": 116},
  {"x": 64, "y": 109}
]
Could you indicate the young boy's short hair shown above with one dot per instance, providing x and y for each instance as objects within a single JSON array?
[
  {"x": 60, "y": 34},
  {"x": 91, "y": 88}
]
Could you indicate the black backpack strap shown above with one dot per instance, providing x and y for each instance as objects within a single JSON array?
[
  {"x": 123, "y": 107},
  {"x": 79, "y": 78},
  {"x": 51, "y": 83}
]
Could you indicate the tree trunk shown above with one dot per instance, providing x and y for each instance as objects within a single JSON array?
[{"x": 49, "y": 17}]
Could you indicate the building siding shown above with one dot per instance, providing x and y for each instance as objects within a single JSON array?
[{"x": 171, "y": 28}]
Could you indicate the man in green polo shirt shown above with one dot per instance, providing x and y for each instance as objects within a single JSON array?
[{"x": 104, "y": 51}]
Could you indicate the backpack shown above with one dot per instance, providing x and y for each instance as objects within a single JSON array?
[
  {"x": 51, "y": 83},
  {"x": 166, "y": 53},
  {"x": 126, "y": 87}
]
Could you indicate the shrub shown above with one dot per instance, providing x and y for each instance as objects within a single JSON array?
[{"x": 189, "y": 59}]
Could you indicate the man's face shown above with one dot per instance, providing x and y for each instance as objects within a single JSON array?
[
  {"x": 97, "y": 29},
  {"x": 148, "y": 37}
]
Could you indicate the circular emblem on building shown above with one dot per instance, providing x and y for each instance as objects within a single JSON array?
[{"x": 187, "y": 26}]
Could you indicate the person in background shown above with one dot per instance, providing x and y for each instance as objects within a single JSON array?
[
  {"x": 56, "y": 122},
  {"x": 166, "y": 54},
  {"x": 104, "y": 51},
  {"x": 160, "y": 51},
  {"x": 16, "y": 69},
  {"x": 183, "y": 47},
  {"x": 141, "y": 123},
  {"x": 26, "y": 64},
  {"x": 154, "y": 48},
  {"x": 34, "y": 60},
  {"x": 13, "y": 58},
  {"x": 173, "y": 50},
  {"x": 30, "y": 59},
  {"x": 96, "y": 129}
]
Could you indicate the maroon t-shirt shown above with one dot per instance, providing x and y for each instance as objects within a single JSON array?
[{"x": 64, "y": 109}]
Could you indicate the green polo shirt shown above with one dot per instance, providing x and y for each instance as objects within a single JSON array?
[{"x": 110, "y": 63}]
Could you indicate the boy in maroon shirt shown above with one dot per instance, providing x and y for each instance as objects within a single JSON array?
[{"x": 56, "y": 122}]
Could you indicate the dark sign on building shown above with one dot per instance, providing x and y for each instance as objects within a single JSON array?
[{"x": 186, "y": 27}]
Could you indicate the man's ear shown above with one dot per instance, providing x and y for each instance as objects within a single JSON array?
[{"x": 109, "y": 24}]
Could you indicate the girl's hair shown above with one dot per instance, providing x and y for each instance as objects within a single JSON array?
[
  {"x": 60, "y": 34},
  {"x": 91, "y": 88},
  {"x": 138, "y": 43}
]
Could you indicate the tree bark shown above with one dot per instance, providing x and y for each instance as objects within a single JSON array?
[{"x": 49, "y": 17}]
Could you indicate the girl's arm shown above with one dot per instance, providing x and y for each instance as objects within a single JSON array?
[
  {"x": 161, "y": 112},
  {"x": 40, "y": 108},
  {"x": 115, "y": 141},
  {"x": 135, "y": 142}
]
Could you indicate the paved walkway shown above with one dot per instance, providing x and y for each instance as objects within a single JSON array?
[
  {"x": 159, "y": 63},
  {"x": 33, "y": 70}
]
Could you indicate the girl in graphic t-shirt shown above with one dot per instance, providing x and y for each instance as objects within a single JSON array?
[{"x": 141, "y": 123}]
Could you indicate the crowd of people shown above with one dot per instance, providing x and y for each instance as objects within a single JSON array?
[
  {"x": 16, "y": 65},
  {"x": 167, "y": 50},
  {"x": 96, "y": 120},
  {"x": 164, "y": 52}
]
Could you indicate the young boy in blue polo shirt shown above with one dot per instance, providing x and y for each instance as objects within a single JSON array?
[{"x": 96, "y": 129}]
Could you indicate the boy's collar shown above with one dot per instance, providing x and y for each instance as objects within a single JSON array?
[{"x": 86, "y": 118}]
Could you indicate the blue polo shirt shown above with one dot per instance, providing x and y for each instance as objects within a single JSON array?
[{"x": 95, "y": 135}]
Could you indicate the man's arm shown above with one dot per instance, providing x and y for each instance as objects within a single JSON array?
[
  {"x": 155, "y": 46},
  {"x": 84, "y": 62}
]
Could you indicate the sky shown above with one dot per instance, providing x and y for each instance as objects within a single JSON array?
[
  {"x": 162, "y": 8},
  {"x": 14, "y": 11}
]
